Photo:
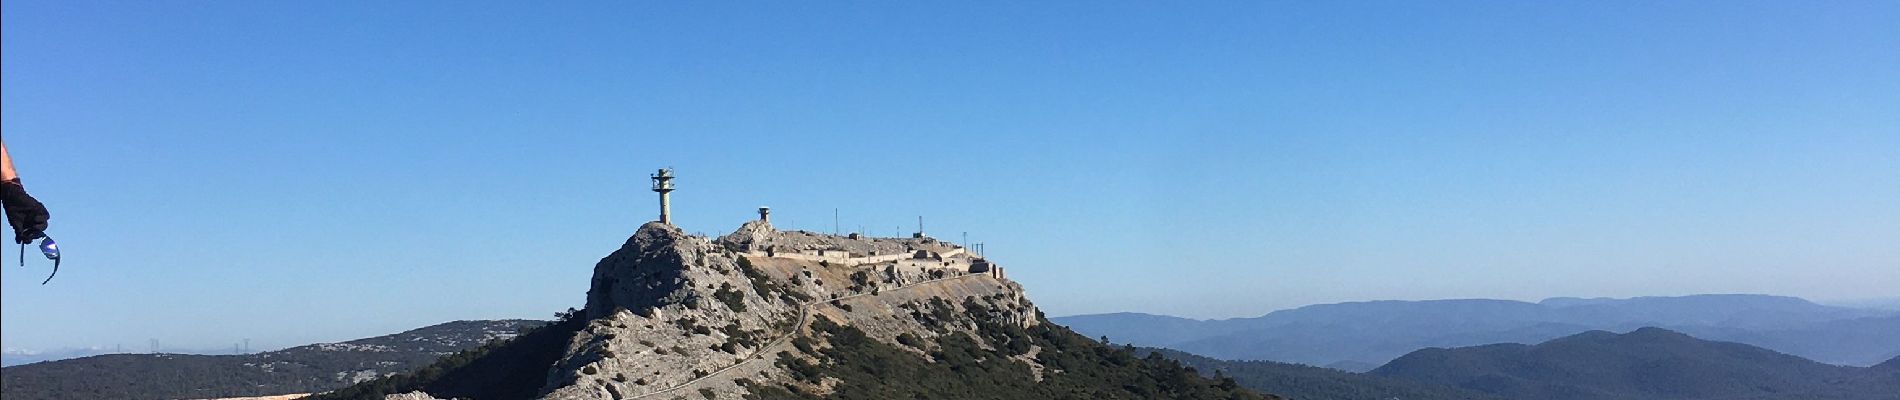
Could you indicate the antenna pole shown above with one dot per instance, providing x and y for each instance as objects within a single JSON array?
[{"x": 663, "y": 184}]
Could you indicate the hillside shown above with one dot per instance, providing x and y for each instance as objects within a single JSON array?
[
  {"x": 1648, "y": 363},
  {"x": 1314, "y": 383},
  {"x": 762, "y": 313},
  {"x": 1372, "y": 333},
  {"x": 12, "y": 357},
  {"x": 301, "y": 369}
]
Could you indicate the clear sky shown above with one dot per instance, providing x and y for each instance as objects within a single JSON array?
[{"x": 316, "y": 171}]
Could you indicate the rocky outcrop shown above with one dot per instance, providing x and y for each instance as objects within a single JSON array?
[
  {"x": 667, "y": 309},
  {"x": 753, "y": 235},
  {"x": 411, "y": 396},
  {"x": 670, "y": 311},
  {"x": 671, "y": 315},
  {"x": 673, "y": 311}
]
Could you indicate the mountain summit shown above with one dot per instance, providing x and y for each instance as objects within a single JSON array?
[{"x": 763, "y": 313}]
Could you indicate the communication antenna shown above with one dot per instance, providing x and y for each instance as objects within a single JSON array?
[{"x": 663, "y": 184}]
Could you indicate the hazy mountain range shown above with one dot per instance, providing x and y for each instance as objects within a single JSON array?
[
  {"x": 1883, "y": 303},
  {"x": 1645, "y": 364},
  {"x": 1361, "y": 335}
]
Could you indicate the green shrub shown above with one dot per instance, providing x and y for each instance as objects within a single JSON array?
[
  {"x": 733, "y": 299},
  {"x": 908, "y": 339}
]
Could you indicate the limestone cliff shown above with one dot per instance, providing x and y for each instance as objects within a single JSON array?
[{"x": 673, "y": 312}]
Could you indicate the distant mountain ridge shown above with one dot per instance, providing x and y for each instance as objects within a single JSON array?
[
  {"x": 1644, "y": 364},
  {"x": 1374, "y": 332},
  {"x": 302, "y": 369},
  {"x": 1314, "y": 383},
  {"x": 12, "y": 357}
]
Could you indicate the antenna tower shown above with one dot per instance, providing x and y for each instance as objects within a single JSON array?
[{"x": 663, "y": 184}]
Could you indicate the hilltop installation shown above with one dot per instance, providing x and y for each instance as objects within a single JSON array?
[{"x": 767, "y": 314}]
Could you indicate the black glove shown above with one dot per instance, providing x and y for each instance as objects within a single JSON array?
[{"x": 27, "y": 215}]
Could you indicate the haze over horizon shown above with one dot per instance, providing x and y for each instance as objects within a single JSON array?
[{"x": 300, "y": 172}]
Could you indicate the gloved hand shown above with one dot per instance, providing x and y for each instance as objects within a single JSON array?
[{"x": 26, "y": 214}]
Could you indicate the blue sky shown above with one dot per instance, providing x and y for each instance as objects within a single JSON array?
[{"x": 295, "y": 171}]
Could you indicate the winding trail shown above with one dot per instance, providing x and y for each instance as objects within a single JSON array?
[{"x": 804, "y": 316}]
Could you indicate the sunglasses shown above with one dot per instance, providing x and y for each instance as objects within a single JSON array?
[{"x": 50, "y": 249}]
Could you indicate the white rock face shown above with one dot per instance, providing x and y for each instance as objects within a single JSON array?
[
  {"x": 411, "y": 396},
  {"x": 667, "y": 309}
]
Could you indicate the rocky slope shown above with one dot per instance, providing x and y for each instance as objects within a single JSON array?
[{"x": 767, "y": 314}]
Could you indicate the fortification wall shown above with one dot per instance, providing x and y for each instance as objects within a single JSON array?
[
  {"x": 832, "y": 257},
  {"x": 836, "y": 257}
]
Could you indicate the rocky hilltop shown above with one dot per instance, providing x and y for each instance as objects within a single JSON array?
[{"x": 762, "y": 313}]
